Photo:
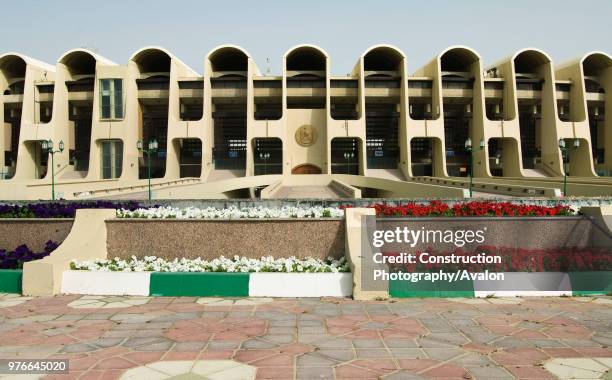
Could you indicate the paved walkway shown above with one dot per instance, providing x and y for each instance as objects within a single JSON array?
[{"x": 196, "y": 338}]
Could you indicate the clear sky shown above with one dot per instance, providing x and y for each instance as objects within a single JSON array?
[{"x": 267, "y": 28}]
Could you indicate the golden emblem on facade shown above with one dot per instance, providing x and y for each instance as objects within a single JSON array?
[{"x": 306, "y": 135}]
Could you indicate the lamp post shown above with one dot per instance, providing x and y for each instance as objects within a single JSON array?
[
  {"x": 265, "y": 157},
  {"x": 347, "y": 157},
  {"x": 564, "y": 151},
  {"x": 468, "y": 148},
  {"x": 152, "y": 148},
  {"x": 47, "y": 146}
]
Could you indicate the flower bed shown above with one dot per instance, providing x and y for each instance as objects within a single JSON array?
[
  {"x": 476, "y": 208},
  {"x": 222, "y": 264},
  {"x": 231, "y": 212},
  {"x": 22, "y": 254},
  {"x": 57, "y": 209}
]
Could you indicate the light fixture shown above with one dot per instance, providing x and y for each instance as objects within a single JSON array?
[
  {"x": 468, "y": 143},
  {"x": 468, "y": 108},
  {"x": 535, "y": 109},
  {"x": 428, "y": 107},
  {"x": 562, "y": 143},
  {"x": 410, "y": 108},
  {"x": 496, "y": 109},
  {"x": 576, "y": 143},
  {"x": 482, "y": 143},
  {"x": 139, "y": 144},
  {"x": 61, "y": 145},
  {"x": 50, "y": 144},
  {"x": 561, "y": 110},
  {"x": 596, "y": 111},
  {"x": 44, "y": 145}
]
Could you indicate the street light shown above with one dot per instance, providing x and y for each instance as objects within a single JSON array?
[
  {"x": 468, "y": 148},
  {"x": 152, "y": 148},
  {"x": 265, "y": 157},
  {"x": 564, "y": 151},
  {"x": 47, "y": 146},
  {"x": 347, "y": 157}
]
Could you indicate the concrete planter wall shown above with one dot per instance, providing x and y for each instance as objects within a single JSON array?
[
  {"x": 10, "y": 280},
  {"x": 32, "y": 232},
  {"x": 106, "y": 283},
  {"x": 301, "y": 285},
  {"x": 209, "y": 239}
]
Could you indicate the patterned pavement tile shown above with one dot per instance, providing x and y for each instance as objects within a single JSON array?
[{"x": 161, "y": 337}]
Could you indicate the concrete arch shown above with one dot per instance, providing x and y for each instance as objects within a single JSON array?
[
  {"x": 306, "y": 50},
  {"x": 79, "y": 62},
  {"x": 13, "y": 66},
  {"x": 152, "y": 59},
  {"x": 389, "y": 53},
  {"x": 529, "y": 58},
  {"x": 595, "y": 61},
  {"x": 29, "y": 61},
  {"x": 225, "y": 57},
  {"x": 461, "y": 57}
]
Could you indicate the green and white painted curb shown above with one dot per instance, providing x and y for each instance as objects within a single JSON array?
[
  {"x": 536, "y": 284},
  {"x": 208, "y": 284},
  {"x": 10, "y": 280}
]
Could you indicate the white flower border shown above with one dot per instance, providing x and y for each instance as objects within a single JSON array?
[
  {"x": 232, "y": 212},
  {"x": 222, "y": 264}
]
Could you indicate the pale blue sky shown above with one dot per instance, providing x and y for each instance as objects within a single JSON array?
[{"x": 267, "y": 28}]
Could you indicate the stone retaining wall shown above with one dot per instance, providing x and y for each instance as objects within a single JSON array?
[
  {"x": 33, "y": 232},
  {"x": 254, "y": 238}
]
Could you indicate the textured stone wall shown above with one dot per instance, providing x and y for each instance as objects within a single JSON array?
[
  {"x": 33, "y": 232},
  {"x": 171, "y": 238}
]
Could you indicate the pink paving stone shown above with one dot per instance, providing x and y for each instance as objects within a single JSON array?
[
  {"x": 181, "y": 355},
  {"x": 247, "y": 356},
  {"x": 296, "y": 348},
  {"x": 397, "y": 333},
  {"x": 348, "y": 371},
  {"x": 230, "y": 335},
  {"x": 83, "y": 364},
  {"x": 363, "y": 334},
  {"x": 274, "y": 373},
  {"x": 503, "y": 330},
  {"x": 529, "y": 372},
  {"x": 381, "y": 365},
  {"x": 562, "y": 352},
  {"x": 112, "y": 374},
  {"x": 115, "y": 363},
  {"x": 561, "y": 321},
  {"x": 188, "y": 335},
  {"x": 568, "y": 332},
  {"x": 595, "y": 352},
  {"x": 216, "y": 354},
  {"x": 251, "y": 330},
  {"x": 529, "y": 334},
  {"x": 476, "y": 347},
  {"x": 447, "y": 370},
  {"x": 417, "y": 365},
  {"x": 279, "y": 360},
  {"x": 340, "y": 330},
  {"x": 144, "y": 357}
]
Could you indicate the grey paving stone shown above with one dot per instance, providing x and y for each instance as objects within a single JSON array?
[
  {"x": 58, "y": 331},
  {"x": 141, "y": 341},
  {"x": 189, "y": 346},
  {"x": 310, "y": 338},
  {"x": 313, "y": 359},
  {"x": 312, "y": 330},
  {"x": 98, "y": 316},
  {"x": 370, "y": 353},
  {"x": 400, "y": 343},
  {"x": 489, "y": 373},
  {"x": 368, "y": 343},
  {"x": 443, "y": 354},
  {"x": 473, "y": 359},
  {"x": 334, "y": 343},
  {"x": 581, "y": 343},
  {"x": 542, "y": 343},
  {"x": 437, "y": 325},
  {"x": 441, "y": 340},
  {"x": 258, "y": 344},
  {"x": 161, "y": 346},
  {"x": 287, "y": 323},
  {"x": 408, "y": 353},
  {"x": 281, "y": 330},
  {"x": 606, "y": 341},
  {"x": 107, "y": 342},
  {"x": 223, "y": 344},
  {"x": 312, "y": 373},
  {"x": 509, "y": 342},
  {"x": 279, "y": 338},
  {"x": 310, "y": 323},
  {"x": 78, "y": 347},
  {"x": 339, "y": 355}
]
